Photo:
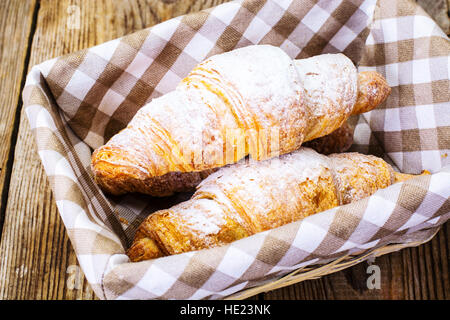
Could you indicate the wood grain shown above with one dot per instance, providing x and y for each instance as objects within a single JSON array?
[{"x": 37, "y": 260}]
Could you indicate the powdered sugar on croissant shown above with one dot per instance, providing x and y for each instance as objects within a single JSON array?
[
  {"x": 250, "y": 101},
  {"x": 330, "y": 91}
]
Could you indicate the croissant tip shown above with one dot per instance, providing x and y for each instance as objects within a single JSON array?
[
  {"x": 400, "y": 177},
  {"x": 144, "y": 249},
  {"x": 373, "y": 90}
]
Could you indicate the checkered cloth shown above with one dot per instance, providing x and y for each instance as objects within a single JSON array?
[{"x": 76, "y": 102}]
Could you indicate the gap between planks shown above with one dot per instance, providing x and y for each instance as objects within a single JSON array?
[{"x": 15, "y": 126}]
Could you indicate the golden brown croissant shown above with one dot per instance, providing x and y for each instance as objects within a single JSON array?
[
  {"x": 252, "y": 196},
  {"x": 250, "y": 101}
]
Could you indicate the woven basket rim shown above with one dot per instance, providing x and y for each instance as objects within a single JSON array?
[{"x": 311, "y": 272}]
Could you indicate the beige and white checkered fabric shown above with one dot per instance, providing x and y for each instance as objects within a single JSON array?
[{"x": 77, "y": 102}]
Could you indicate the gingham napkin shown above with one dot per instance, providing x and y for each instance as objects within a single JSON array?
[{"x": 76, "y": 102}]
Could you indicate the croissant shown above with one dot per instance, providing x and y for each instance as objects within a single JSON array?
[
  {"x": 250, "y": 101},
  {"x": 252, "y": 196}
]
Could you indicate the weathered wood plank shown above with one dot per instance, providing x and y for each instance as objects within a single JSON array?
[
  {"x": 37, "y": 259},
  {"x": 413, "y": 273},
  {"x": 16, "y": 21}
]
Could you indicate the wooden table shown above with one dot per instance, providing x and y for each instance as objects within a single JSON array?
[{"x": 37, "y": 260}]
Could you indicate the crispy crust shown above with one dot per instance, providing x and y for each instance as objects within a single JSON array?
[
  {"x": 373, "y": 90},
  {"x": 220, "y": 112},
  {"x": 116, "y": 177},
  {"x": 246, "y": 198}
]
